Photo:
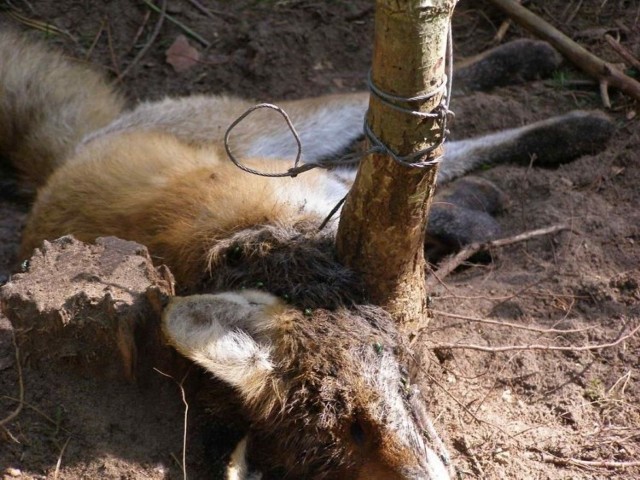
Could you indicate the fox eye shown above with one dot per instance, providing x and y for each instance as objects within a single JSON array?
[{"x": 357, "y": 433}]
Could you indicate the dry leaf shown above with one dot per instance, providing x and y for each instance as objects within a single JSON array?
[{"x": 182, "y": 56}]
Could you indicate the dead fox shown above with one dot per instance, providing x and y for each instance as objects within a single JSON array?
[{"x": 315, "y": 368}]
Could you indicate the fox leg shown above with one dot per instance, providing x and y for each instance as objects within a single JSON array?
[
  {"x": 461, "y": 214},
  {"x": 327, "y": 125},
  {"x": 549, "y": 142},
  {"x": 511, "y": 63}
]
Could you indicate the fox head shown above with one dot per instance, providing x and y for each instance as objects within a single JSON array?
[{"x": 324, "y": 391}]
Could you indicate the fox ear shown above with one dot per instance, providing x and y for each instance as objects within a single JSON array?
[{"x": 227, "y": 334}]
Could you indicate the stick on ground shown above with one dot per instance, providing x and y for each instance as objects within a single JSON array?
[
  {"x": 500, "y": 323},
  {"x": 456, "y": 260},
  {"x": 546, "y": 348},
  {"x": 549, "y": 458},
  {"x": 623, "y": 52}
]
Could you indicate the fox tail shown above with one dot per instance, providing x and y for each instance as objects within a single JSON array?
[{"x": 48, "y": 103}]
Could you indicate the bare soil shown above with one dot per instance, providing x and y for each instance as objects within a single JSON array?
[{"x": 522, "y": 413}]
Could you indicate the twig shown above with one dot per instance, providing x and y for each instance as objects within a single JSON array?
[
  {"x": 186, "y": 417},
  {"x": 462, "y": 405},
  {"x": 18, "y": 409},
  {"x": 624, "y": 380},
  {"x": 549, "y": 348},
  {"x": 578, "y": 55},
  {"x": 59, "y": 462},
  {"x": 152, "y": 38},
  {"x": 112, "y": 52},
  {"x": 550, "y": 458},
  {"x": 95, "y": 40},
  {"x": 456, "y": 260},
  {"x": 138, "y": 34},
  {"x": 9, "y": 434},
  {"x": 504, "y": 27},
  {"x": 624, "y": 53},
  {"x": 573, "y": 14},
  {"x": 436, "y": 280},
  {"x": 45, "y": 27},
  {"x": 502, "y": 31},
  {"x": 213, "y": 13},
  {"x": 173, "y": 20},
  {"x": 55, "y": 423},
  {"x": 508, "y": 324}
]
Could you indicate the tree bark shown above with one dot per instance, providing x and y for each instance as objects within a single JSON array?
[{"x": 382, "y": 225}]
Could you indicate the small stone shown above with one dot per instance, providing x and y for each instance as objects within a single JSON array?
[
  {"x": 507, "y": 396},
  {"x": 502, "y": 456}
]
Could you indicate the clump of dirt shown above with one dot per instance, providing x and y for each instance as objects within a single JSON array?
[
  {"x": 96, "y": 308},
  {"x": 520, "y": 412}
]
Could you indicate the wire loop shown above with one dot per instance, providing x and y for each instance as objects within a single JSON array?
[
  {"x": 292, "y": 172},
  {"x": 440, "y": 113}
]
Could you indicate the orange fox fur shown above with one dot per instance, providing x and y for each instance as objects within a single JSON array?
[
  {"x": 320, "y": 399},
  {"x": 174, "y": 198},
  {"x": 40, "y": 127}
]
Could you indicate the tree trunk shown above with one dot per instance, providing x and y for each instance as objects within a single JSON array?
[{"x": 382, "y": 226}]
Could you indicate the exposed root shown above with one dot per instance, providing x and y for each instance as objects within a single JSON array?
[
  {"x": 500, "y": 323},
  {"x": 547, "y": 348}
]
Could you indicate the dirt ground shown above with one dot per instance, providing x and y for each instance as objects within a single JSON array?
[{"x": 523, "y": 413}]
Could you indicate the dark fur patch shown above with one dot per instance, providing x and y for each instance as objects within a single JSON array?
[
  {"x": 297, "y": 263},
  {"x": 452, "y": 227},
  {"x": 509, "y": 64},
  {"x": 324, "y": 359},
  {"x": 564, "y": 139},
  {"x": 461, "y": 214},
  {"x": 474, "y": 193}
]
